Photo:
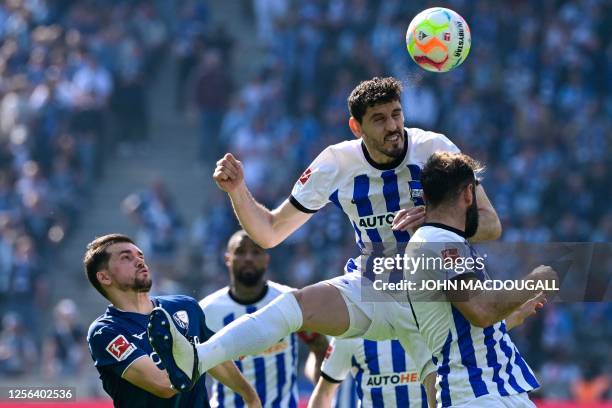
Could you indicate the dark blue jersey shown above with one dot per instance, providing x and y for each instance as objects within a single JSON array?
[{"x": 117, "y": 339}]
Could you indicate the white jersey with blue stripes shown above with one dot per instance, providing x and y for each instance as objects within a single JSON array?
[
  {"x": 471, "y": 361},
  {"x": 384, "y": 374},
  {"x": 369, "y": 194},
  {"x": 273, "y": 373}
]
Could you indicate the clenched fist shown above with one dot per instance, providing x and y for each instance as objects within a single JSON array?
[{"x": 229, "y": 173}]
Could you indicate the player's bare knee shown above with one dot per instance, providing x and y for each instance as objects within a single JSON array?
[{"x": 309, "y": 301}]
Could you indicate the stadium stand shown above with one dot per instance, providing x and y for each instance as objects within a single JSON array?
[{"x": 66, "y": 69}]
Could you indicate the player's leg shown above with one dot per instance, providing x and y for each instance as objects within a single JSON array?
[
  {"x": 334, "y": 307},
  {"x": 321, "y": 307}
]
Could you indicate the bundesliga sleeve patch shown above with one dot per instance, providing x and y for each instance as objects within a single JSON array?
[
  {"x": 328, "y": 352},
  {"x": 305, "y": 176},
  {"x": 120, "y": 348},
  {"x": 450, "y": 253}
]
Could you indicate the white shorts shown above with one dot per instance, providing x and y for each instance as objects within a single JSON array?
[
  {"x": 497, "y": 401},
  {"x": 381, "y": 317}
]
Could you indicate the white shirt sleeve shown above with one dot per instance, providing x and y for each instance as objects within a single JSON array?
[
  {"x": 447, "y": 254},
  {"x": 457, "y": 260},
  {"x": 337, "y": 363},
  {"x": 312, "y": 190}
]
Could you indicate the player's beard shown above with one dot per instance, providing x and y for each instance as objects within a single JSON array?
[
  {"x": 392, "y": 151},
  {"x": 142, "y": 284},
  {"x": 249, "y": 279},
  {"x": 471, "y": 217}
]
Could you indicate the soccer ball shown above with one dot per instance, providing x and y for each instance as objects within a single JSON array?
[{"x": 438, "y": 39}]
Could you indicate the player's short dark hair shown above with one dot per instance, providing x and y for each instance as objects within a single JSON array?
[
  {"x": 238, "y": 234},
  {"x": 96, "y": 257},
  {"x": 373, "y": 92},
  {"x": 445, "y": 175}
]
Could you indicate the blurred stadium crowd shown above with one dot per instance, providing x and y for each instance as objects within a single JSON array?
[
  {"x": 533, "y": 101},
  {"x": 72, "y": 81}
]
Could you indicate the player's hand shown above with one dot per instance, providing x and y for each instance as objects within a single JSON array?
[
  {"x": 406, "y": 219},
  {"x": 229, "y": 173},
  {"x": 546, "y": 273},
  {"x": 527, "y": 309}
]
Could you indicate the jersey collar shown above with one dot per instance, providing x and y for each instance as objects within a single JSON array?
[
  {"x": 446, "y": 227},
  {"x": 390, "y": 165},
  {"x": 114, "y": 310},
  {"x": 252, "y": 302}
]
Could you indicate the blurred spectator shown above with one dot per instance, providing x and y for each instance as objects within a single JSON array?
[
  {"x": 18, "y": 353},
  {"x": 594, "y": 386},
  {"x": 188, "y": 43},
  {"x": 65, "y": 352},
  {"x": 557, "y": 376},
  {"x": 211, "y": 90},
  {"x": 160, "y": 232},
  {"x": 26, "y": 291},
  {"x": 558, "y": 329},
  {"x": 129, "y": 101},
  {"x": 267, "y": 13},
  {"x": 153, "y": 33}
]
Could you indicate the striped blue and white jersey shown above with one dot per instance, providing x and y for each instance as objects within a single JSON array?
[
  {"x": 369, "y": 194},
  {"x": 471, "y": 361},
  {"x": 384, "y": 374},
  {"x": 273, "y": 373}
]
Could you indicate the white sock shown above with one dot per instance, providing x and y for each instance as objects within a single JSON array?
[{"x": 252, "y": 333}]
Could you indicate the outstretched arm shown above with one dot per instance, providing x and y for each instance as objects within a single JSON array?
[
  {"x": 267, "y": 228},
  {"x": 483, "y": 308},
  {"x": 323, "y": 394},
  {"x": 228, "y": 374}
]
